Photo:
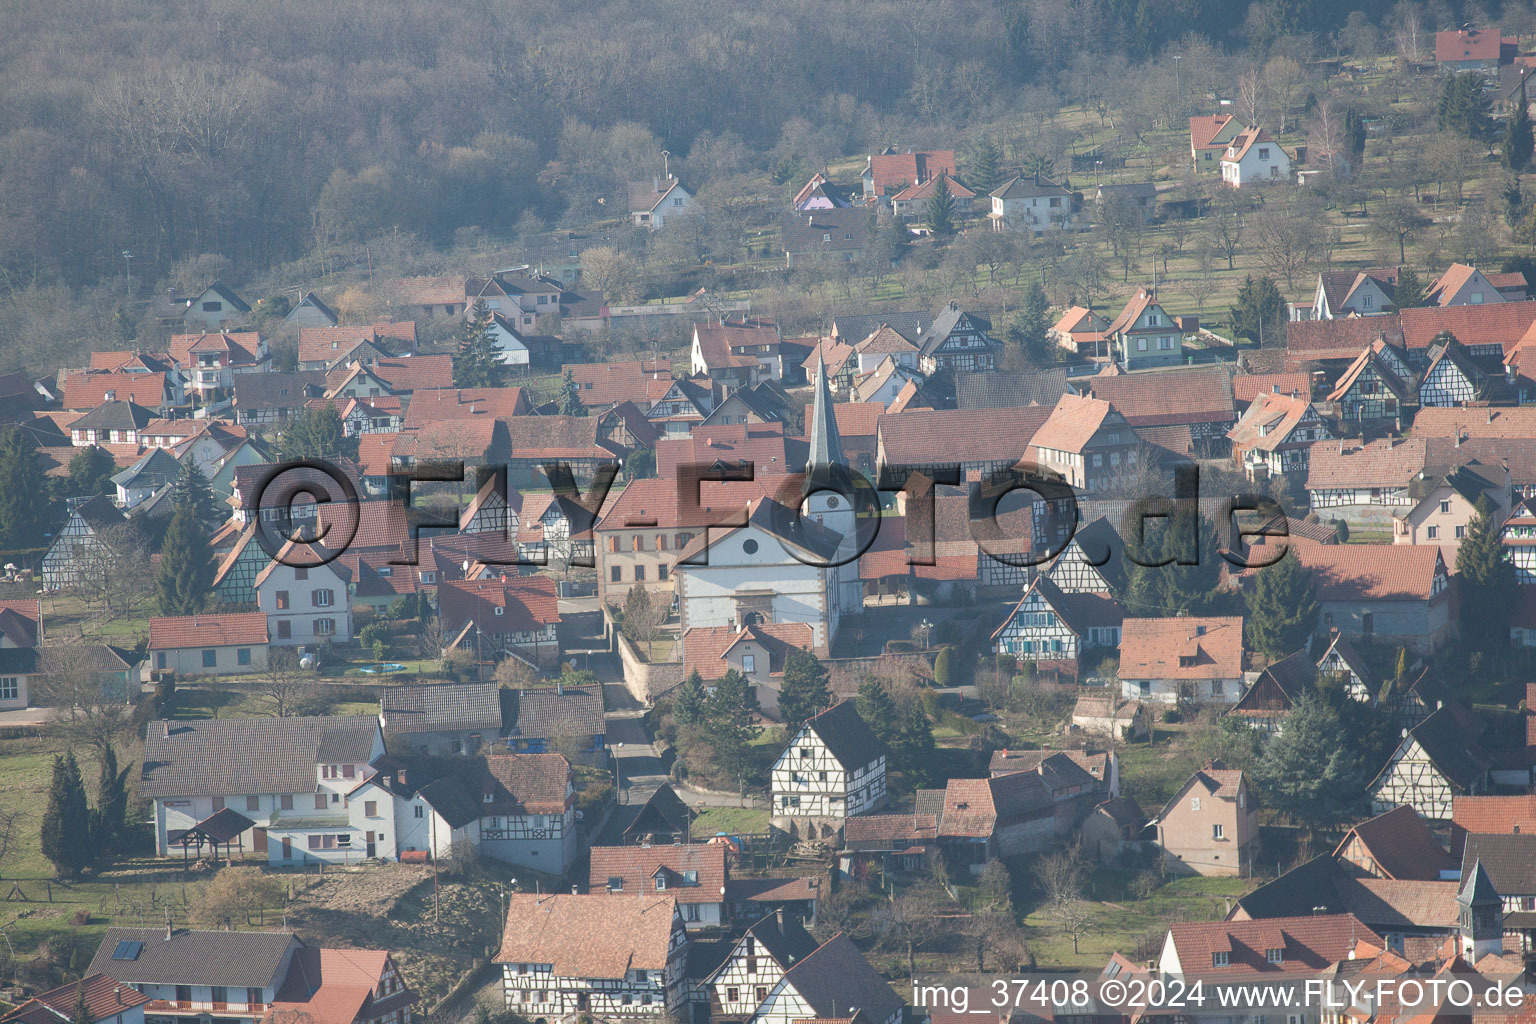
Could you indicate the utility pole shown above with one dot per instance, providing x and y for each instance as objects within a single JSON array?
[{"x": 437, "y": 916}]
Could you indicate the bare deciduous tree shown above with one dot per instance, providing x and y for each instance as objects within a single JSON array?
[
  {"x": 1289, "y": 240},
  {"x": 89, "y": 705},
  {"x": 1063, "y": 877},
  {"x": 10, "y": 830},
  {"x": 283, "y": 685},
  {"x": 1250, "y": 94}
]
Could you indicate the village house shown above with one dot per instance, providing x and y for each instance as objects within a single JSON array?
[
  {"x": 311, "y": 311},
  {"x": 1089, "y": 443},
  {"x": 1474, "y": 49},
  {"x": 819, "y": 193},
  {"x": 831, "y": 770},
  {"x": 1509, "y": 865},
  {"x": 1006, "y": 815},
  {"x": 1395, "y": 845},
  {"x": 777, "y": 974},
  {"x": 213, "y": 307},
  {"x": 1035, "y": 204},
  {"x": 567, "y": 720},
  {"x": 737, "y": 354},
  {"x": 1437, "y": 760},
  {"x": 1082, "y": 333},
  {"x": 210, "y": 362},
  {"x": 652, "y": 203},
  {"x": 305, "y": 604},
  {"x": 1209, "y": 136},
  {"x": 957, "y": 340},
  {"x": 441, "y": 719},
  {"x": 617, "y": 957},
  {"x": 1211, "y": 826},
  {"x": 1518, "y": 535},
  {"x": 824, "y": 235},
  {"x": 21, "y": 634},
  {"x": 887, "y": 173},
  {"x": 503, "y": 617},
  {"x": 75, "y": 556},
  {"x": 1106, "y": 713},
  {"x": 161, "y": 392},
  {"x": 1248, "y": 951},
  {"x": 1452, "y": 378},
  {"x": 1254, "y": 157},
  {"x": 757, "y": 652},
  {"x": 912, "y": 202},
  {"x": 1195, "y": 399},
  {"x": 1373, "y": 388},
  {"x": 208, "y": 645},
  {"x": 1274, "y": 693},
  {"x": 1182, "y": 659},
  {"x": 1145, "y": 335},
  {"x": 1462, "y": 285},
  {"x": 1112, "y": 829},
  {"x": 694, "y": 874},
  {"x": 1273, "y": 439},
  {"x": 663, "y": 818},
  {"x": 106, "y": 1001},
  {"x": 326, "y": 348},
  {"x": 114, "y": 422},
  {"x": 1342, "y": 293},
  {"x": 1447, "y": 504},
  {"x": 1343, "y": 664},
  {"x": 275, "y": 772},
  {"x": 1051, "y": 626}
]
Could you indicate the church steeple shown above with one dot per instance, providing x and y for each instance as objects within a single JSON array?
[{"x": 826, "y": 443}]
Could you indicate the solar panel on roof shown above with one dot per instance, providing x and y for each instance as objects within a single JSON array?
[{"x": 128, "y": 949}]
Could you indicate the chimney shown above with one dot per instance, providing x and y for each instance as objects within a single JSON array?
[
  {"x": 1490, "y": 415},
  {"x": 655, "y": 183},
  {"x": 778, "y": 915},
  {"x": 165, "y": 728}
]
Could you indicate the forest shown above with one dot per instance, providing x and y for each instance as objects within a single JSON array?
[{"x": 143, "y": 144}]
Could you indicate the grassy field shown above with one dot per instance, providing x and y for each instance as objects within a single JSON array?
[{"x": 734, "y": 820}]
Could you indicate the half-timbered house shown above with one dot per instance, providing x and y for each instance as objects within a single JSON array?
[
  {"x": 75, "y": 555},
  {"x": 776, "y": 974},
  {"x": 957, "y": 341},
  {"x": 832, "y": 769},
  {"x": 1395, "y": 845},
  {"x": 1451, "y": 378},
  {"x": 694, "y": 874},
  {"x": 1272, "y": 695},
  {"x": 1436, "y": 761},
  {"x": 1518, "y": 536},
  {"x": 1371, "y": 389},
  {"x": 1093, "y": 562},
  {"x": 1273, "y": 440},
  {"x": 611, "y": 956},
  {"x": 1342, "y": 662},
  {"x": 1048, "y": 625}
]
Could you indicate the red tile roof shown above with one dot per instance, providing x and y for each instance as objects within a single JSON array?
[
  {"x": 763, "y": 445},
  {"x": 1308, "y": 944},
  {"x": 917, "y": 193},
  {"x": 1199, "y": 394},
  {"x": 87, "y": 390},
  {"x": 1472, "y": 44},
  {"x": 1248, "y": 386},
  {"x": 415, "y": 373},
  {"x": 1203, "y": 128},
  {"x": 528, "y": 604},
  {"x": 1382, "y": 463},
  {"x": 527, "y": 784},
  {"x": 1498, "y": 323},
  {"x": 1402, "y": 846},
  {"x": 920, "y": 437},
  {"x": 637, "y": 867},
  {"x": 657, "y": 502},
  {"x": 1495, "y": 815},
  {"x": 1071, "y": 424},
  {"x": 717, "y": 340},
  {"x": 464, "y": 403},
  {"x": 337, "y": 986},
  {"x": 241, "y": 346},
  {"x": 897, "y": 169},
  {"x": 1518, "y": 422},
  {"x": 235, "y": 628},
  {"x": 705, "y": 647},
  {"x": 600, "y": 384},
  {"x": 105, "y": 998},
  {"x": 1175, "y": 648},
  {"x": 328, "y": 344},
  {"x": 589, "y": 936},
  {"x": 1362, "y": 572},
  {"x": 1341, "y": 338}
]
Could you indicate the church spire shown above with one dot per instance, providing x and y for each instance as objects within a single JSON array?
[{"x": 826, "y": 443}]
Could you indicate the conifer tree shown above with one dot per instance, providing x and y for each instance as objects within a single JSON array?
[
  {"x": 915, "y": 746},
  {"x": 315, "y": 434},
  {"x": 82, "y": 1010},
  {"x": 940, "y": 214},
  {"x": 111, "y": 816},
  {"x": 24, "y": 508},
  {"x": 90, "y": 472},
  {"x": 478, "y": 363},
  {"x": 1518, "y": 139},
  {"x": 66, "y": 827},
  {"x": 192, "y": 490},
  {"x": 1282, "y": 608},
  {"x": 982, "y": 169},
  {"x": 803, "y": 692},
  {"x": 878, "y": 710},
  {"x": 570, "y": 397},
  {"x": 1409, "y": 293},
  {"x": 1031, "y": 324},
  {"x": 688, "y": 705},
  {"x": 1312, "y": 769},
  {"x": 729, "y": 721},
  {"x": 1487, "y": 581},
  {"x": 185, "y": 577}
]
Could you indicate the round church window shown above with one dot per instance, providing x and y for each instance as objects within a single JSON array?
[
  {"x": 749, "y": 546},
  {"x": 833, "y": 501}
]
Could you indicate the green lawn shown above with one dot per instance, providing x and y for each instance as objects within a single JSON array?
[{"x": 734, "y": 820}]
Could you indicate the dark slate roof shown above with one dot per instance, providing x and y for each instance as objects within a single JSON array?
[
  {"x": 854, "y": 329},
  {"x": 1010, "y": 390},
  {"x": 226, "y": 293},
  {"x": 232, "y": 959},
  {"x": 836, "y": 978},
  {"x": 944, "y": 325},
  {"x": 18, "y": 660},
  {"x": 99, "y": 513},
  {"x": 155, "y": 469},
  {"x": 846, "y": 735},
  {"x": 1310, "y": 884},
  {"x": 663, "y": 813},
  {"x": 89, "y": 657},
  {"x": 806, "y": 232},
  {"x": 222, "y": 826},
  {"x": 452, "y": 799},
  {"x": 442, "y": 707},
  {"x": 786, "y": 941},
  {"x": 1508, "y": 860},
  {"x": 278, "y": 390},
  {"x": 195, "y": 757},
  {"x": 545, "y": 713},
  {"x": 118, "y": 414},
  {"x": 1454, "y": 751}
]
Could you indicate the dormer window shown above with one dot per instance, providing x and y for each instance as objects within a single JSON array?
[
  {"x": 615, "y": 883},
  {"x": 1274, "y": 956},
  {"x": 487, "y": 797},
  {"x": 661, "y": 883},
  {"x": 1219, "y": 959},
  {"x": 690, "y": 878}
]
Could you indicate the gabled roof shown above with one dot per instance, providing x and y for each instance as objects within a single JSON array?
[
  {"x": 993, "y": 390},
  {"x": 547, "y": 713},
  {"x": 1509, "y": 862},
  {"x": 1402, "y": 846},
  {"x": 919, "y": 193},
  {"x": 429, "y": 404},
  {"x": 854, "y": 327},
  {"x": 1245, "y": 140},
  {"x": 834, "y": 230},
  {"x": 776, "y": 521},
  {"x": 889, "y": 170},
  {"x": 527, "y": 604},
  {"x": 337, "y": 986},
  {"x": 845, "y": 736},
  {"x": 1364, "y": 572},
  {"x": 836, "y": 977},
  {"x": 588, "y": 936},
  {"x": 1182, "y": 647},
  {"x": 1497, "y": 323},
  {"x": 946, "y": 322},
  {"x": 1518, "y": 422},
  {"x": 1307, "y": 944},
  {"x": 1368, "y": 359},
  {"x": 228, "y": 630},
  {"x": 1442, "y": 290},
  {"x": 664, "y": 868},
  {"x": 1341, "y": 646},
  {"x": 1204, "y": 128},
  {"x": 927, "y": 436},
  {"x": 198, "y": 757},
  {"x": 1135, "y": 306},
  {"x": 1279, "y": 686},
  {"x": 104, "y": 998},
  {"x": 525, "y": 783},
  {"x": 120, "y": 414},
  {"x": 249, "y": 959},
  {"x": 1027, "y": 187},
  {"x": 1080, "y": 320},
  {"x": 441, "y": 707},
  {"x": 976, "y": 808},
  {"x": 663, "y": 812},
  {"x": 1386, "y": 462},
  {"x": 226, "y": 293},
  {"x": 645, "y": 196},
  {"x": 91, "y": 388},
  {"x": 1269, "y": 421},
  {"x": 1073, "y": 423},
  {"x": 1195, "y": 394},
  {"x": 705, "y": 647},
  {"x": 1458, "y": 755},
  {"x": 1500, "y": 815},
  {"x": 1472, "y": 44},
  {"x": 315, "y": 302}
]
